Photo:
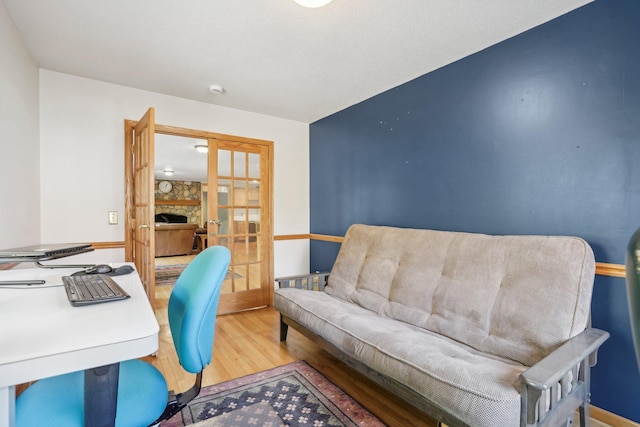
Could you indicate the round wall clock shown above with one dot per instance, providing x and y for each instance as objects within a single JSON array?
[{"x": 165, "y": 186}]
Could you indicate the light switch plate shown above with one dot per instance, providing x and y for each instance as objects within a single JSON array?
[{"x": 113, "y": 217}]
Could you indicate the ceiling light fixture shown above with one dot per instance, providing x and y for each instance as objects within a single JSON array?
[
  {"x": 202, "y": 149},
  {"x": 313, "y": 3},
  {"x": 216, "y": 90},
  {"x": 168, "y": 171}
]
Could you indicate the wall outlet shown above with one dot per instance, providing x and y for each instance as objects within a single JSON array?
[{"x": 113, "y": 217}]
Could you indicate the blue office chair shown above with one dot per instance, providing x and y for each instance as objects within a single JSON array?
[{"x": 142, "y": 390}]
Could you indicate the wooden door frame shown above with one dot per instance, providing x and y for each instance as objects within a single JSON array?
[{"x": 191, "y": 133}]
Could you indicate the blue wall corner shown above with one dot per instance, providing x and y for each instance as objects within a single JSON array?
[
  {"x": 615, "y": 378},
  {"x": 539, "y": 134}
]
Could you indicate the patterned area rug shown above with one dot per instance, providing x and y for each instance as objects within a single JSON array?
[
  {"x": 291, "y": 395},
  {"x": 168, "y": 274}
]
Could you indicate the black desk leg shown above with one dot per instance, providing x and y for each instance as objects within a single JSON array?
[{"x": 101, "y": 396}]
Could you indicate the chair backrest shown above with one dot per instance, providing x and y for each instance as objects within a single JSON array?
[
  {"x": 633, "y": 288},
  {"x": 193, "y": 306}
]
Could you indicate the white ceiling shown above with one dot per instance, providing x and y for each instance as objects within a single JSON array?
[
  {"x": 179, "y": 154},
  {"x": 272, "y": 56}
]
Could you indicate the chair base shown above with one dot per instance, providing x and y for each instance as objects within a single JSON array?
[{"x": 178, "y": 402}]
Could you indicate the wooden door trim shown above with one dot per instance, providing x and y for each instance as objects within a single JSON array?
[
  {"x": 192, "y": 133},
  {"x": 129, "y": 125}
]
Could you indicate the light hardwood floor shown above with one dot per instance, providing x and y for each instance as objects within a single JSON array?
[
  {"x": 249, "y": 342},
  {"x": 172, "y": 260}
]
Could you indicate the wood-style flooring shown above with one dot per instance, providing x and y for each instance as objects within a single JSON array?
[
  {"x": 249, "y": 342},
  {"x": 172, "y": 260}
]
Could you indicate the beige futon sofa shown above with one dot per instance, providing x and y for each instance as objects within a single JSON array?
[{"x": 475, "y": 330}]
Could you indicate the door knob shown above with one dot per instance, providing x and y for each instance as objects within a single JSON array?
[
  {"x": 143, "y": 226},
  {"x": 215, "y": 221}
]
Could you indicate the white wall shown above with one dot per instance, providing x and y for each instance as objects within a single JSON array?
[
  {"x": 82, "y": 160},
  {"x": 19, "y": 158}
]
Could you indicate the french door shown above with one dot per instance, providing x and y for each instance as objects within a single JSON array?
[
  {"x": 239, "y": 218},
  {"x": 239, "y": 209},
  {"x": 139, "y": 199}
]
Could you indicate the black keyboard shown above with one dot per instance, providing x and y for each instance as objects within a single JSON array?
[{"x": 92, "y": 289}]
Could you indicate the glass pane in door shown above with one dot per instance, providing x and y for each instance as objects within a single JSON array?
[
  {"x": 254, "y": 165},
  {"x": 239, "y": 164},
  {"x": 224, "y": 162},
  {"x": 224, "y": 208}
]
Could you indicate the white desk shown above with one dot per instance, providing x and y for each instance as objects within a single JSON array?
[{"x": 42, "y": 335}]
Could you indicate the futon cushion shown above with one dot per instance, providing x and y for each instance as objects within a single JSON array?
[
  {"x": 479, "y": 389},
  {"x": 517, "y": 297}
]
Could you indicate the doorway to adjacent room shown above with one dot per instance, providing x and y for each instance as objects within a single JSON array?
[{"x": 234, "y": 200}]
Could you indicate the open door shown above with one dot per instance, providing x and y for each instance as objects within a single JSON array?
[
  {"x": 140, "y": 239},
  {"x": 239, "y": 182}
]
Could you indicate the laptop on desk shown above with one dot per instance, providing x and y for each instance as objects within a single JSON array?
[{"x": 45, "y": 252}]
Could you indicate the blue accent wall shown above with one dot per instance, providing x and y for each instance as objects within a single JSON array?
[{"x": 539, "y": 134}]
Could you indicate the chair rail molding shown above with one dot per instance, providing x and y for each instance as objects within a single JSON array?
[{"x": 602, "y": 268}]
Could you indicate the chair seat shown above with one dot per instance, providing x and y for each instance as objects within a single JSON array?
[{"x": 59, "y": 401}]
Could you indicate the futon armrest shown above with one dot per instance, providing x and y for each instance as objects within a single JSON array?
[
  {"x": 556, "y": 386},
  {"x": 552, "y": 368},
  {"x": 311, "y": 282}
]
